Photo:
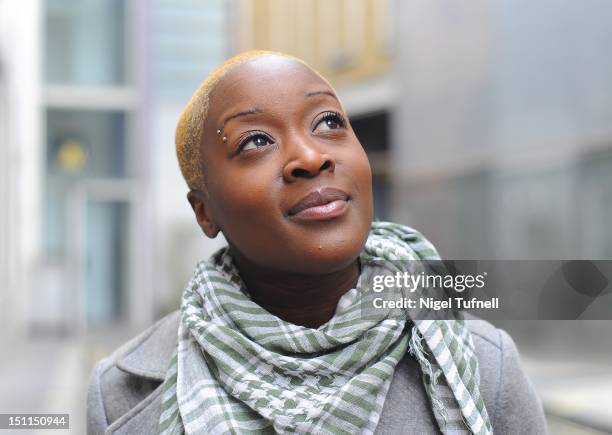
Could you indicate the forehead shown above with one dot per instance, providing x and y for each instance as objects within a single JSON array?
[{"x": 262, "y": 81}]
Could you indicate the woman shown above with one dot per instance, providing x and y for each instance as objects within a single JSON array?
[{"x": 271, "y": 336}]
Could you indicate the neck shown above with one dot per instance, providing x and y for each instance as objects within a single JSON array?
[{"x": 305, "y": 300}]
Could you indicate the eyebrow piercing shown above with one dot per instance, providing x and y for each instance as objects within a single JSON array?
[
  {"x": 224, "y": 138},
  {"x": 218, "y": 131}
]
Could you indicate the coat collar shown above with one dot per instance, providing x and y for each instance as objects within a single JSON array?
[{"x": 150, "y": 355}]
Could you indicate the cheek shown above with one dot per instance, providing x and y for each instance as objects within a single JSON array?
[
  {"x": 242, "y": 200},
  {"x": 360, "y": 172},
  {"x": 249, "y": 216},
  {"x": 244, "y": 204},
  {"x": 366, "y": 172}
]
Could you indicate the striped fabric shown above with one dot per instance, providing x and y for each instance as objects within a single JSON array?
[{"x": 239, "y": 369}]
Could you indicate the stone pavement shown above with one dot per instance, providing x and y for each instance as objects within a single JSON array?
[
  {"x": 43, "y": 376},
  {"x": 50, "y": 375},
  {"x": 577, "y": 393}
]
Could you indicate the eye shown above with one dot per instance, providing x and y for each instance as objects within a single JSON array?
[
  {"x": 329, "y": 121},
  {"x": 253, "y": 141}
]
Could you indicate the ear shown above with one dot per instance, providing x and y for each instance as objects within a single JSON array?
[{"x": 199, "y": 204}]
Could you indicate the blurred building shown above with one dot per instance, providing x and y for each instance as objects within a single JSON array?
[
  {"x": 105, "y": 233},
  {"x": 503, "y": 134},
  {"x": 89, "y": 173},
  {"x": 19, "y": 98},
  {"x": 482, "y": 132},
  {"x": 96, "y": 217}
]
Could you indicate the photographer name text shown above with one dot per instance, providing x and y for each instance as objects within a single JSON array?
[{"x": 437, "y": 304}]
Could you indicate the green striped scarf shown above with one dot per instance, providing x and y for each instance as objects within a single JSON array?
[{"x": 239, "y": 369}]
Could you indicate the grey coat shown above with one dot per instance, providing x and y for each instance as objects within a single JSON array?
[{"x": 124, "y": 392}]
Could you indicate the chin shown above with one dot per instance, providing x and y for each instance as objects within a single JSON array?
[{"x": 331, "y": 252}]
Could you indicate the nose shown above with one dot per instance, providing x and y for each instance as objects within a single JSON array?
[{"x": 307, "y": 161}]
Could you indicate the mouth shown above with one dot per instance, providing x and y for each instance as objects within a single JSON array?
[{"x": 321, "y": 204}]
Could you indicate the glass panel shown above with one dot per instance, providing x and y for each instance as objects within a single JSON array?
[
  {"x": 186, "y": 30},
  {"x": 85, "y": 42},
  {"x": 86, "y": 143},
  {"x": 106, "y": 254},
  {"x": 80, "y": 145}
]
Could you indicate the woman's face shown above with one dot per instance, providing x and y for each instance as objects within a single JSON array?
[{"x": 291, "y": 186}]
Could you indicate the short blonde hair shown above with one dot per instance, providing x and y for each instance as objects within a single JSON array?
[{"x": 190, "y": 127}]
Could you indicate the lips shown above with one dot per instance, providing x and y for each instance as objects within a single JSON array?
[{"x": 320, "y": 204}]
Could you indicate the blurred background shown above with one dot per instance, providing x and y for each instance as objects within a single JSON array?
[{"x": 488, "y": 125}]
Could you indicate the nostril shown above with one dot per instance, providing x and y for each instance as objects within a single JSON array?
[
  {"x": 299, "y": 172},
  {"x": 309, "y": 169}
]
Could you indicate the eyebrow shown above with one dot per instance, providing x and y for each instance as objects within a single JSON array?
[
  {"x": 312, "y": 94},
  {"x": 254, "y": 110},
  {"x": 243, "y": 113}
]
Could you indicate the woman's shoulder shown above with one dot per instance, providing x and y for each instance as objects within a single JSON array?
[
  {"x": 511, "y": 400},
  {"x": 495, "y": 349},
  {"x": 129, "y": 378},
  {"x": 148, "y": 353}
]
